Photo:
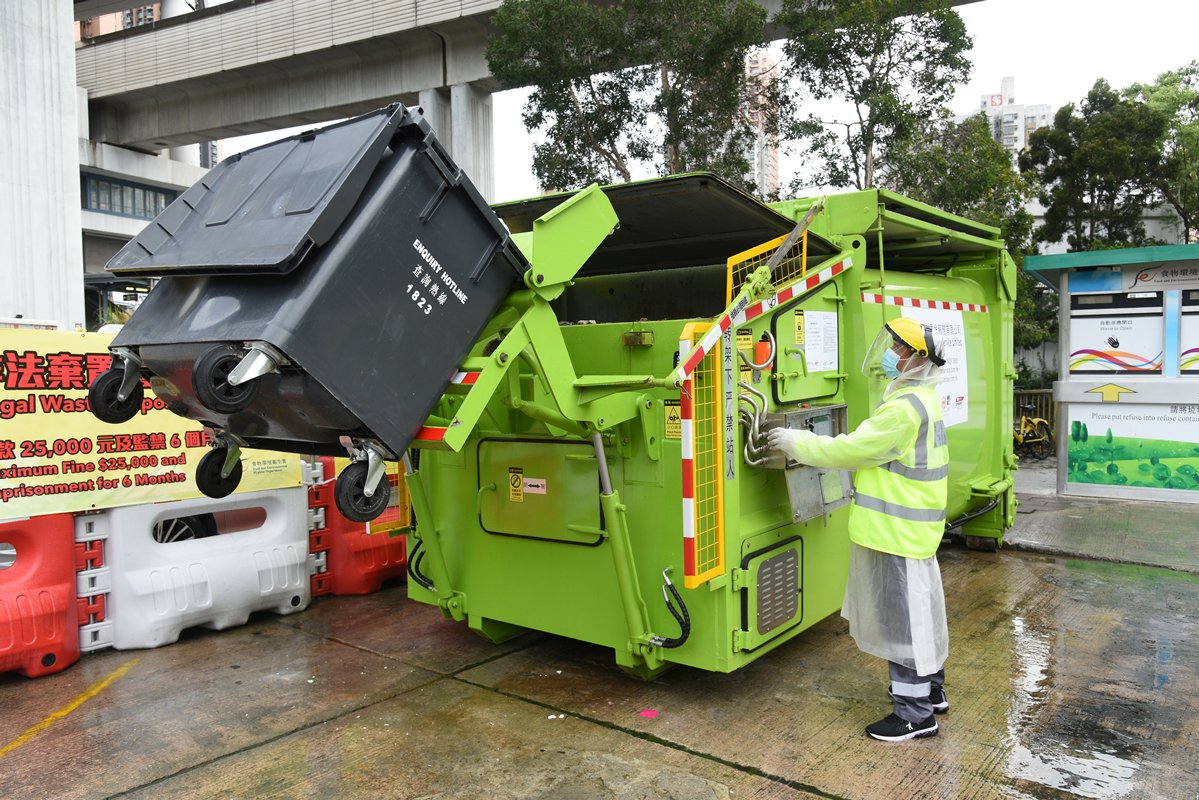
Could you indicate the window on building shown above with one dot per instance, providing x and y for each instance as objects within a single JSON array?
[{"x": 111, "y": 196}]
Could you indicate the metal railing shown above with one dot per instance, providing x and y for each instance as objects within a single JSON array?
[{"x": 1041, "y": 400}]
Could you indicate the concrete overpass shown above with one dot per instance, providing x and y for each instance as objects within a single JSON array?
[{"x": 260, "y": 65}]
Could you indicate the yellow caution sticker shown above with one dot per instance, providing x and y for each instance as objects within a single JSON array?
[
  {"x": 673, "y": 421},
  {"x": 745, "y": 343},
  {"x": 516, "y": 485},
  {"x": 800, "y": 337}
]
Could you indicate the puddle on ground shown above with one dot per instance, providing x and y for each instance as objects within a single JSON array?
[{"x": 1091, "y": 764}]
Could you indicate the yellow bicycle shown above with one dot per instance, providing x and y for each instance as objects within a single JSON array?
[{"x": 1032, "y": 436}]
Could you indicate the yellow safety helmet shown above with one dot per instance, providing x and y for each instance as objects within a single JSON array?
[{"x": 919, "y": 338}]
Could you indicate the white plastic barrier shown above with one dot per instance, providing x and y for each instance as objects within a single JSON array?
[{"x": 258, "y": 562}]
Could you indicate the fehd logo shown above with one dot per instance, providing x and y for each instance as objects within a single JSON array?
[{"x": 1143, "y": 276}]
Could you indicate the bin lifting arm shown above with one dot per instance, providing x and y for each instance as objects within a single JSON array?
[
  {"x": 756, "y": 287},
  {"x": 560, "y": 243}
]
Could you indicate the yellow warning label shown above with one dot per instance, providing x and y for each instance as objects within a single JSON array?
[
  {"x": 799, "y": 328},
  {"x": 745, "y": 343},
  {"x": 516, "y": 485},
  {"x": 673, "y": 424}
]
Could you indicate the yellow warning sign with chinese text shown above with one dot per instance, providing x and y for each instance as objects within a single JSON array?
[{"x": 56, "y": 457}]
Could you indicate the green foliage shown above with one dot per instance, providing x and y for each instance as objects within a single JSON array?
[
  {"x": 1084, "y": 432},
  {"x": 959, "y": 167},
  {"x": 1036, "y": 315},
  {"x": 1114, "y": 466},
  {"x": 1029, "y": 376},
  {"x": 633, "y": 84},
  {"x": 1097, "y": 169},
  {"x": 1176, "y": 95},
  {"x": 1076, "y": 430},
  {"x": 896, "y": 62}
]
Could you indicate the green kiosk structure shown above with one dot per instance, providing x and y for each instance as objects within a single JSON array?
[
  {"x": 578, "y": 385},
  {"x": 1128, "y": 393}
]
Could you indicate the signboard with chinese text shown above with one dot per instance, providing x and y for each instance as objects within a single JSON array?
[
  {"x": 1157, "y": 278},
  {"x": 1134, "y": 444},
  {"x": 56, "y": 457},
  {"x": 1188, "y": 336},
  {"x": 1117, "y": 333},
  {"x": 954, "y": 386}
]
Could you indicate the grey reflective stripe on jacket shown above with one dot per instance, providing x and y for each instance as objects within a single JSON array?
[
  {"x": 896, "y": 510},
  {"x": 917, "y": 473},
  {"x": 921, "y": 472}
]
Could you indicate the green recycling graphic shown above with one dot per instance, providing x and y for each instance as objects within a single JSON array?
[{"x": 1132, "y": 444}]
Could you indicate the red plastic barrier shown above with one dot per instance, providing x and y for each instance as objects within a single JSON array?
[
  {"x": 39, "y": 615},
  {"x": 350, "y": 560},
  {"x": 320, "y": 504},
  {"x": 359, "y": 562}
]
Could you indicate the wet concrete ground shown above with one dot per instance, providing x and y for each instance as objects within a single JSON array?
[
  {"x": 1121, "y": 531},
  {"x": 1068, "y": 677}
]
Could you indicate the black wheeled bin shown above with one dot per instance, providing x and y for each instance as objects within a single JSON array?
[{"x": 357, "y": 258}]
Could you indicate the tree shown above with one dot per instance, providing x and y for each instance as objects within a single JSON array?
[
  {"x": 961, "y": 168},
  {"x": 896, "y": 62},
  {"x": 633, "y": 84},
  {"x": 1097, "y": 169},
  {"x": 1176, "y": 95}
]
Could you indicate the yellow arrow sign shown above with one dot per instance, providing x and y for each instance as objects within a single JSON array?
[{"x": 1111, "y": 392}]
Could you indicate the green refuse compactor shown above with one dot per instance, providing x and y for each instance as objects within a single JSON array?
[
  {"x": 603, "y": 478},
  {"x": 591, "y": 463}
]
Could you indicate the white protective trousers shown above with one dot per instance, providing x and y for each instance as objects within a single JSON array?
[{"x": 896, "y": 608}]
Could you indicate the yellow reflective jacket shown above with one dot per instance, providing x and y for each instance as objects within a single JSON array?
[{"x": 902, "y": 462}]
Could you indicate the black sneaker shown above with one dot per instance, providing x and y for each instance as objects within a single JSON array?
[
  {"x": 896, "y": 729},
  {"x": 940, "y": 702}
]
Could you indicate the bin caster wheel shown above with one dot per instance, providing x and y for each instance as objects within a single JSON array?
[
  {"x": 103, "y": 401},
  {"x": 210, "y": 379},
  {"x": 350, "y": 493},
  {"x": 208, "y": 475}
]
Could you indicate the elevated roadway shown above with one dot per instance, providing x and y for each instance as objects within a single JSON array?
[{"x": 258, "y": 65}]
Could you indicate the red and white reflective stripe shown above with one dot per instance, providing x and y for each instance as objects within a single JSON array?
[
  {"x": 466, "y": 378},
  {"x": 916, "y": 302},
  {"x": 744, "y": 312},
  {"x": 431, "y": 434},
  {"x": 687, "y": 445}
]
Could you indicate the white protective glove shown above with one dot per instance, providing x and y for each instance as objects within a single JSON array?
[{"x": 786, "y": 440}]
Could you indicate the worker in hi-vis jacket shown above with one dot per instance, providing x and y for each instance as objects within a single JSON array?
[{"x": 893, "y": 598}]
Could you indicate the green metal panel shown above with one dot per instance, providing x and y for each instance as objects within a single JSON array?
[
  {"x": 543, "y": 489},
  {"x": 803, "y": 372}
]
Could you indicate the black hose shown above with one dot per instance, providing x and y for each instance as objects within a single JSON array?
[
  {"x": 414, "y": 559},
  {"x": 680, "y": 614},
  {"x": 960, "y": 521}
]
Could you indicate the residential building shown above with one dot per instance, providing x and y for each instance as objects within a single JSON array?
[
  {"x": 1012, "y": 123},
  {"x": 761, "y": 72}
]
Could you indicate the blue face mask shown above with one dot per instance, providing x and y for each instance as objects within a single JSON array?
[{"x": 890, "y": 364}]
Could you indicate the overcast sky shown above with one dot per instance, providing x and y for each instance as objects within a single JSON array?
[{"x": 1055, "y": 49}]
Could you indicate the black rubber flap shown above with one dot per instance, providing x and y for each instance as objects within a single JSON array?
[{"x": 262, "y": 210}]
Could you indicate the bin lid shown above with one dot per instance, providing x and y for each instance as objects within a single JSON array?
[
  {"x": 262, "y": 210},
  {"x": 677, "y": 221}
]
